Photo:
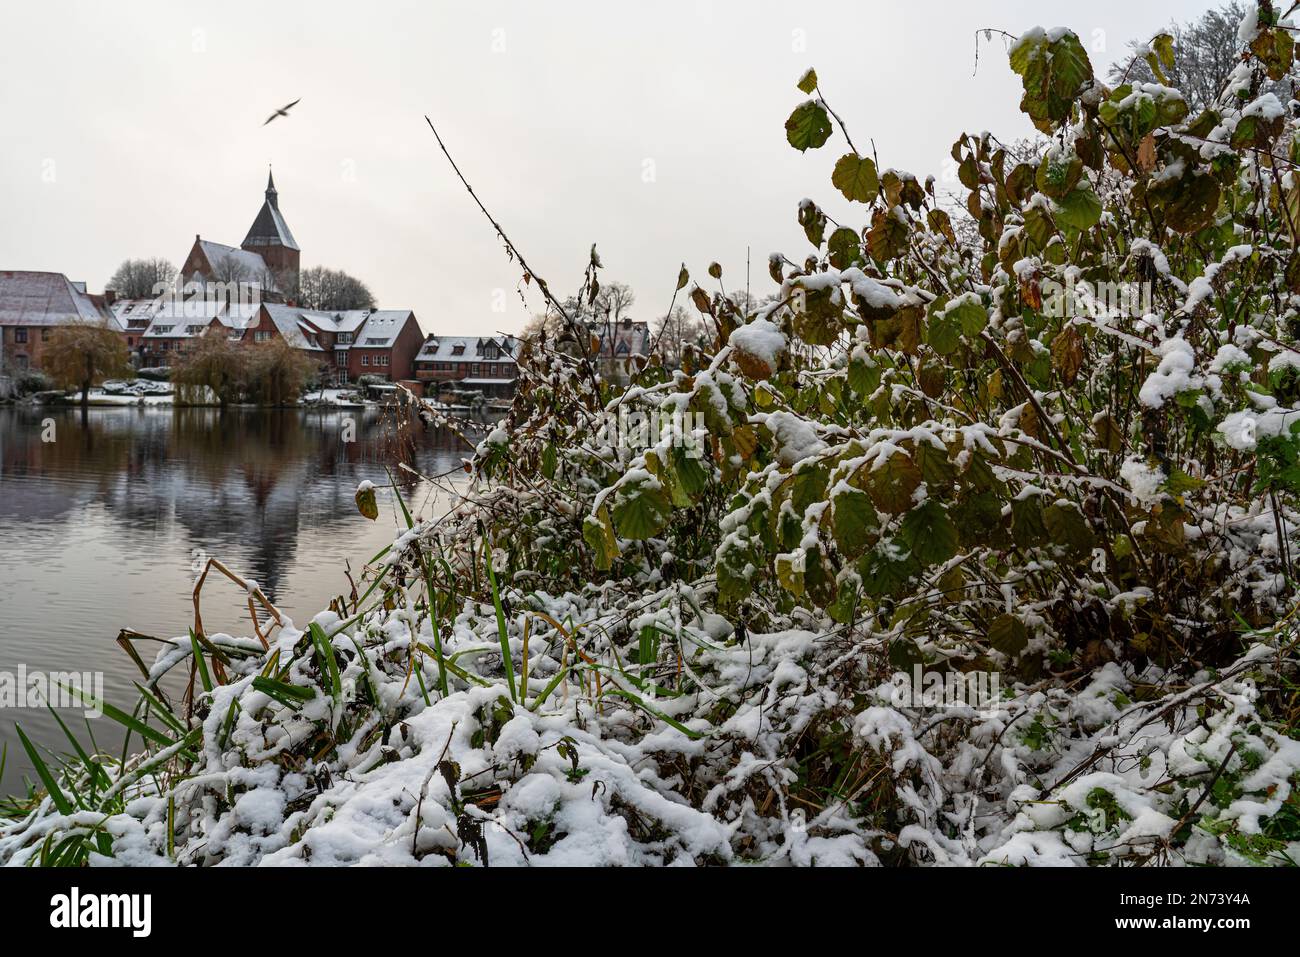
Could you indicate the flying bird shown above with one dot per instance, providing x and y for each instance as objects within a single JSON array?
[{"x": 283, "y": 111}]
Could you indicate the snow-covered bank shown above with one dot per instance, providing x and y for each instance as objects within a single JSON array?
[{"x": 564, "y": 764}]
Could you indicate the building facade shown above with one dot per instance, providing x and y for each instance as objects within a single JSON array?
[
  {"x": 33, "y": 305},
  {"x": 269, "y": 255},
  {"x": 472, "y": 363}
]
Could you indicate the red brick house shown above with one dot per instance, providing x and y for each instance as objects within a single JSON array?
[
  {"x": 482, "y": 364},
  {"x": 33, "y": 304},
  {"x": 346, "y": 344},
  {"x": 385, "y": 345}
]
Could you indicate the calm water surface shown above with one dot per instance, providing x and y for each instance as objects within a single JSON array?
[{"x": 101, "y": 528}]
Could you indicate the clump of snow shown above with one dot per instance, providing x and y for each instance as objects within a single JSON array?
[
  {"x": 1143, "y": 480},
  {"x": 760, "y": 345},
  {"x": 796, "y": 437},
  {"x": 1174, "y": 374}
]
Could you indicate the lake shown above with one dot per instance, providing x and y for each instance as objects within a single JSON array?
[{"x": 105, "y": 526}]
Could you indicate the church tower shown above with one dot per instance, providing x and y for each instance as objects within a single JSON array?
[{"x": 270, "y": 238}]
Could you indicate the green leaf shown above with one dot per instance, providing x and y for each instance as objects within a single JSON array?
[
  {"x": 854, "y": 521},
  {"x": 507, "y": 663},
  {"x": 891, "y": 484},
  {"x": 598, "y": 533},
  {"x": 292, "y": 696},
  {"x": 1079, "y": 209},
  {"x": 1054, "y": 73},
  {"x": 789, "y": 573},
  {"x": 120, "y": 716},
  {"x": 1163, "y": 47},
  {"x": 1008, "y": 635},
  {"x": 855, "y": 177},
  {"x": 971, "y": 315},
  {"x": 1190, "y": 202},
  {"x": 845, "y": 247},
  {"x": 808, "y": 127},
  {"x": 642, "y": 511},
  {"x": 51, "y": 786},
  {"x": 1027, "y": 526},
  {"x": 929, "y": 533},
  {"x": 808, "y": 82},
  {"x": 944, "y": 334},
  {"x": 328, "y": 664},
  {"x": 1067, "y": 526},
  {"x": 864, "y": 377}
]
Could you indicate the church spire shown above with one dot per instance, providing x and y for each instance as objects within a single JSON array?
[{"x": 272, "y": 196}]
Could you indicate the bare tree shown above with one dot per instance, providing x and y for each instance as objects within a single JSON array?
[
  {"x": 139, "y": 278},
  {"x": 672, "y": 333},
  {"x": 331, "y": 289},
  {"x": 229, "y": 269},
  {"x": 549, "y": 323},
  {"x": 614, "y": 302},
  {"x": 277, "y": 372},
  {"x": 1205, "y": 52}
]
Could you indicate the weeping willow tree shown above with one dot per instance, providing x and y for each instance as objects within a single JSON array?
[
  {"x": 80, "y": 355},
  {"x": 277, "y": 372},
  {"x": 216, "y": 364}
]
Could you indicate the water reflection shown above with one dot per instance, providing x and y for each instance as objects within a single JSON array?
[{"x": 99, "y": 528}]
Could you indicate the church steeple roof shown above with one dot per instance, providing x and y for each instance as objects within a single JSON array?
[{"x": 269, "y": 228}]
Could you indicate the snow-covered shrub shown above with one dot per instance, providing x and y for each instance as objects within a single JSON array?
[{"x": 1066, "y": 457}]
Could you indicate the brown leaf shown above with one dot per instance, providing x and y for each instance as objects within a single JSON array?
[
  {"x": 1146, "y": 155},
  {"x": 1067, "y": 354}
]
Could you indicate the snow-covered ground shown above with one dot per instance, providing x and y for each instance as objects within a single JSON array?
[{"x": 574, "y": 756}]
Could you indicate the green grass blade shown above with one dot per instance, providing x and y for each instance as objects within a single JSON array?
[
  {"x": 202, "y": 662},
  {"x": 549, "y": 689},
  {"x": 501, "y": 620},
  {"x": 292, "y": 696},
  {"x": 51, "y": 786},
  {"x": 329, "y": 664},
  {"x": 164, "y": 713},
  {"x": 121, "y": 717}
]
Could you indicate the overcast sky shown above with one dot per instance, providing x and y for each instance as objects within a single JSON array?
[{"x": 654, "y": 129}]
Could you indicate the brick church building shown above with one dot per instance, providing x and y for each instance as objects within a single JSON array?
[
  {"x": 346, "y": 344},
  {"x": 269, "y": 254}
]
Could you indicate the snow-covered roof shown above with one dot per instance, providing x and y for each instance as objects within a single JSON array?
[
  {"x": 45, "y": 299},
  {"x": 249, "y": 266},
  {"x": 184, "y": 318},
  {"x": 467, "y": 349},
  {"x": 135, "y": 312},
  {"x": 347, "y": 320},
  {"x": 289, "y": 320},
  {"x": 269, "y": 228},
  {"x": 381, "y": 328}
]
